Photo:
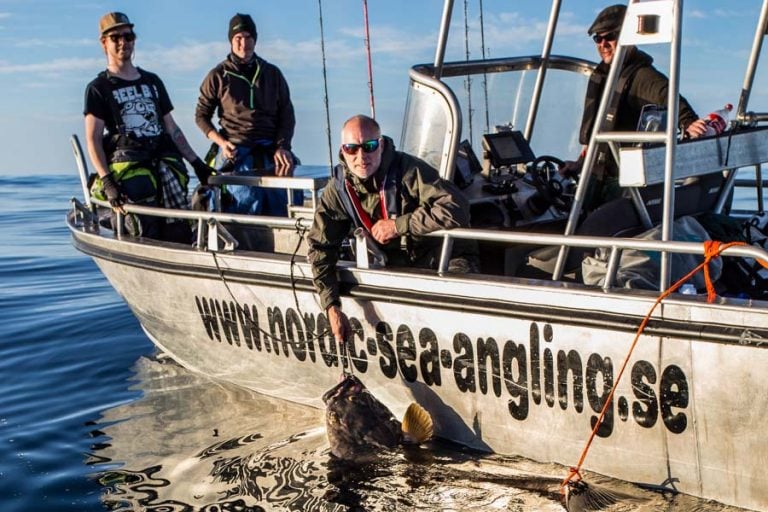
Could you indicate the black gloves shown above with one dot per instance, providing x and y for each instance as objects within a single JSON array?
[
  {"x": 202, "y": 170},
  {"x": 112, "y": 190}
]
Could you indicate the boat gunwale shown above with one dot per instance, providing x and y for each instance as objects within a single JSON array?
[{"x": 357, "y": 284}]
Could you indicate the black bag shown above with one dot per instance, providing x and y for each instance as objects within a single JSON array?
[{"x": 741, "y": 277}]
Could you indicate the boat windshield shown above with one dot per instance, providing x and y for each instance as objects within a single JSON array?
[{"x": 499, "y": 98}]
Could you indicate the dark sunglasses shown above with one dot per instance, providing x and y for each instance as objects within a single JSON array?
[
  {"x": 610, "y": 36},
  {"x": 369, "y": 146},
  {"x": 128, "y": 37}
]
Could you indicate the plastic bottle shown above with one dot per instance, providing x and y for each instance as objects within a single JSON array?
[{"x": 717, "y": 121}]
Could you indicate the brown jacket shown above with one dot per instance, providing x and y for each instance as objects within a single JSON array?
[
  {"x": 252, "y": 101},
  {"x": 427, "y": 203}
]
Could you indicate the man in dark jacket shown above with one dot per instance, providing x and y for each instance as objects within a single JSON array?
[
  {"x": 389, "y": 194},
  {"x": 639, "y": 84},
  {"x": 256, "y": 119}
]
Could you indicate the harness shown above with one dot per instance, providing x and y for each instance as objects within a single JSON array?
[
  {"x": 136, "y": 162},
  {"x": 389, "y": 194},
  {"x": 123, "y": 147}
]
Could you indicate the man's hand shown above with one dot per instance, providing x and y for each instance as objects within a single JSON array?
[
  {"x": 113, "y": 192},
  {"x": 202, "y": 171},
  {"x": 384, "y": 230},
  {"x": 569, "y": 169},
  {"x": 283, "y": 162},
  {"x": 696, "y": 129},
  {"x": 229, "y": 150},
  {"x": 339, "y": 324}
]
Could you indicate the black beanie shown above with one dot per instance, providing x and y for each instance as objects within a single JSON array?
[{"x": 241, "y": 23}]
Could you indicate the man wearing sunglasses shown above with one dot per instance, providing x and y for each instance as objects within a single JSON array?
[
  {"x": 133, "y": 141},
  {"x": 256, "y": 119},
  {"x": 639, "y": 84},
  {"x": 395, "y": 198}
]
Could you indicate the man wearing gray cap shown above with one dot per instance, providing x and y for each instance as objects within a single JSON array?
[
  {"x": 133, "y": 141},
  {"x": 256, "y": 120},
  {"x": 639, "y": 84}
]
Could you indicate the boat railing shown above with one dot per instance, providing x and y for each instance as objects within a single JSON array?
[
  {"x": 211, "y": 233},
  {"x": 614, "y": 245},
  {"x": 291, "y": 183},
  {"x": 210, "y": 225}
]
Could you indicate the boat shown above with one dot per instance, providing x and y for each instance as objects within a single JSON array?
[{"x": 521, "y": 357}]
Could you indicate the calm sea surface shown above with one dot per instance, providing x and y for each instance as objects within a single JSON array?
[{"x": 93, "y": 418}]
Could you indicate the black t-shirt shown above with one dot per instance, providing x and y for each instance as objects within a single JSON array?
[{"x": 129, "y": 107}]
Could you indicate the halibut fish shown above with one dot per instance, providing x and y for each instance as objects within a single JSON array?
[{"x": 358, "y": 425}]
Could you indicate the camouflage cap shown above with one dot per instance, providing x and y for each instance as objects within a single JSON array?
[
  {"x": 113, "y": 20},
  {"x": 609, "y": 20}
]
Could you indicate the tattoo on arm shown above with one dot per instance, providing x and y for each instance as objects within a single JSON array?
[{"x": 181, "y": 143}]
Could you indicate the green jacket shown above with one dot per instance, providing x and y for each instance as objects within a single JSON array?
[{"x": 427, "y": 203}]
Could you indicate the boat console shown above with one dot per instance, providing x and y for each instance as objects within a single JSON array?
[{"x": 511, "y": 188}]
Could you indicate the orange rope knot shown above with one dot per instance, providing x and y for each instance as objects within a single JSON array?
[{"x": 573, "y": 476}]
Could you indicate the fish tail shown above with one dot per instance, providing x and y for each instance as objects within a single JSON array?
[
  {"x": 417, "y": 424},
  {"x": 582, "y": 497}
]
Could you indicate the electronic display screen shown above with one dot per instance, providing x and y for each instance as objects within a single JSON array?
[{"x": 507, "y": 148}]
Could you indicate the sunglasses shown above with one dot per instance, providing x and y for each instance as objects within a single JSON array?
[
  {"x": 368, "y": 146},
  {"x": 610, "y": 36},
  {"x": 128, "y": 37}
]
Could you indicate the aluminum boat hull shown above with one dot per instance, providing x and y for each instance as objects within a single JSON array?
[{"x": 514, "y": 366}]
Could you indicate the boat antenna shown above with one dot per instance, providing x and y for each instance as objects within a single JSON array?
[
  {"x": 368, "y": 53},
  {"x": 325, "y": 87},
  {"x": 485, "y": 75},
  {"x": 468, "y": 80}
]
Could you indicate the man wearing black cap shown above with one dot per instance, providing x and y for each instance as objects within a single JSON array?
[
  {"x": 639, "y": 84},
  {"x": 138, "y": 159},
  {"x": 256, "y": 119}
]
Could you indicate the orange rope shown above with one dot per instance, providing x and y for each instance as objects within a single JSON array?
[{"x": 712, "y": 249}]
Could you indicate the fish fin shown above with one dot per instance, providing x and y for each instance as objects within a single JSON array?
[
  {"x": 581, "y": 497},
  {"x": 417, "y": 424}
]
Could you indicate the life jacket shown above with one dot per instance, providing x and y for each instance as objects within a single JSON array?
[
  {"x": 139, "y": 182},
  {"x": 389, "y": 193},
  {"x": 132, "y": 160}
]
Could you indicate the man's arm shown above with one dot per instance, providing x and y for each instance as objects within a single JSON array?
[
  {"x": 650, "y": 86},
  {"x": 331, "y": 224},
  {"x": 286, "y": 123},
  {"x": 441, "y": 205},
  {"x": 286, "y": 118},
  {"x": 202, "y": 171},
  {"x": 94, "y": 132},
  {"x": 207, "y": 103},
  {"x": 178, "y": 138},
  {"x": 328, "y": 230}
]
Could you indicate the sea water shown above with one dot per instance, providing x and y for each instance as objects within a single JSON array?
[{"x": 93, "y": 418}]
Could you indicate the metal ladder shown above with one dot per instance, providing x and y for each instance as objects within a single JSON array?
[
  {"x": 752, "y": 118},
  {"x": 652, "y": 23}
]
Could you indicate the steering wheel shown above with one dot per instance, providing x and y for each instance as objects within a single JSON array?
[{"x": 549, "y": 185}]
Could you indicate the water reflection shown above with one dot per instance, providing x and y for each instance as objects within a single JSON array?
[{"x": 192, "y": 443}]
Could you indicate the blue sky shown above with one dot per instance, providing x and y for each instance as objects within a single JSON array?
[{"x": 49, "y": 51}]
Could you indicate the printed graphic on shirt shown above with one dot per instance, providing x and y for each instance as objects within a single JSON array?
[{"x": 138, "y": 109}]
